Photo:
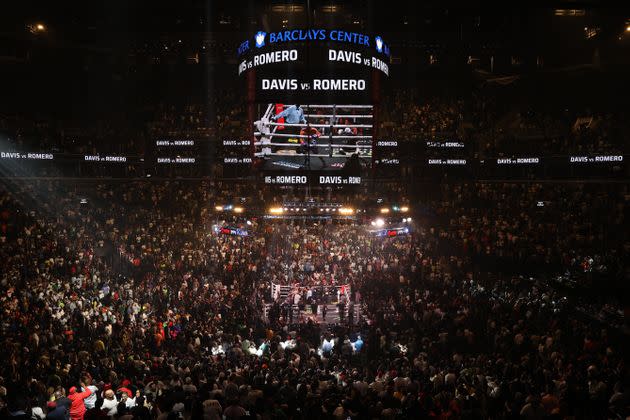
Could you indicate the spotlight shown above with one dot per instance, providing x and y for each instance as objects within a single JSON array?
[
  {"x": 238, "y": 209},
  {"x": 404, "y": 209},
  {"x": 379, "y": 222},
  {"x": 276, "y": 210},
  {"x": 345, "y": 210},
  {"x": 408, "y": 219},
  {"x": 36, "y": 28},
  {"x": 384, "y": 210},
  {"x": 218, "y": 208},
  {"x": 249, "y": 223}
]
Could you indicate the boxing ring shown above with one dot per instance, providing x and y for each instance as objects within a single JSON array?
[{"x": 332, "y": 134}]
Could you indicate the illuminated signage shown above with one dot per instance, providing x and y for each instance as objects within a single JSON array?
[
  {"x": 166, "y": 143},
  {"x": 386, "y": 143},
  {"x": 390, "y": 233},
  {"x": 287, "y": 179},
  {"x": 518, "y": 161},
  {"x": 263, "y": 39},
  {"x": 98, "y": 158},
  {"x": 237, "y": 142},
  {"x": 319, "y": 179},
  {"x": 339, "y": 180},
  {"x": 596, "y": 159},
  {"x": 176, "y": 160},
  {"x": 329, "y": 46},
  {"x": 226, "y": 230},
  {"x": 445, "y": 144},
  {"x": 388, "y": 161},
  {"x": 234, "y": 160},
  {"x": 27, "y": 156},
  {"x": 447, "y": 161},
  {"x": 315, "y": 84}
]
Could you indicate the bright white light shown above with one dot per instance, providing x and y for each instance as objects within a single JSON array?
[
  {"x": 408, "y": 219},
  {"x": 249, "y": 223},
  {"x": 379, "y": 222}
]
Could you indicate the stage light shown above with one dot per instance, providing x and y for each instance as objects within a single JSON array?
[
  {"x": 249, "y": 223},
  {"x": 384, "y": 210},
  {"x": 276, "y": 210},
  {"x": 346, "y": 210},
  {"x": 404, "y": 209},
  {"x": 218, "y": 208},
  {"x": 408, "y": 219},
  {"x": 379, "y": 222},
  {"x": 238, "y": 209},
  {"x": 327, "y": 209},
  {"x": 36, "y": 28}
]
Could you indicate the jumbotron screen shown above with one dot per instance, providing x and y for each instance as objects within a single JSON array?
[
  {"x": 311, "y": 98},
  {"x": 313, "y": 137}
]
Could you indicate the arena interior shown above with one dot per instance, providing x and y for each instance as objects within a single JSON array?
[{"x": 314, "y": 209}]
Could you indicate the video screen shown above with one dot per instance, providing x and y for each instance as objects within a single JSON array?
[{"x": 329, "y": 137}]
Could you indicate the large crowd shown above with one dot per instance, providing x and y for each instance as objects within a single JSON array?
[{"x": 123, "y": 301}]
